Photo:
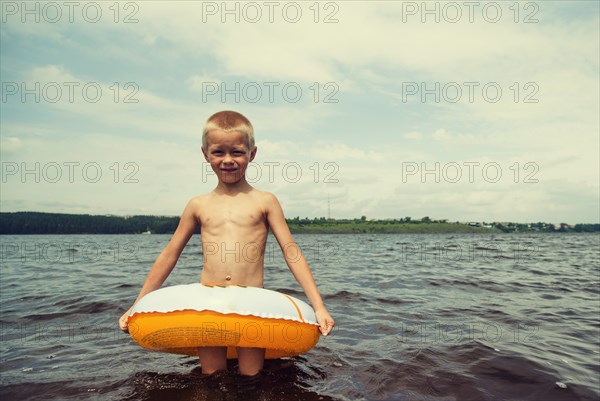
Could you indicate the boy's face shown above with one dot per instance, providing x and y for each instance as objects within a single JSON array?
[{"x": 228, "y": 155}]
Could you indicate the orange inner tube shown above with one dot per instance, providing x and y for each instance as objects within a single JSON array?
[{"x": 182, "y": 332}]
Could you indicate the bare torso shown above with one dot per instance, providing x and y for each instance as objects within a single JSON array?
[{"x": 234, "y": 234}]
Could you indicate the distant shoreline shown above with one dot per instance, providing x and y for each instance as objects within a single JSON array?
[{"x": 61, "y": 223}]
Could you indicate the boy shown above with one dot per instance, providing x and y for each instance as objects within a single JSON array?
[{"x": 233, "y": 217}]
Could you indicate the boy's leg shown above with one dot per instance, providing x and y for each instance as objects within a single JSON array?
[
  {"x": 250, "y": 360},
  {"x": 212, "y": 359}
]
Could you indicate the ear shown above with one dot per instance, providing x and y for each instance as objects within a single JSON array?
[
  {"x": 204, "y": 153},
  {"x": 253, "y": 153}
]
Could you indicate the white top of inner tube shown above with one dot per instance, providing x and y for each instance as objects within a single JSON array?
[{"x": 245, "y": 301}]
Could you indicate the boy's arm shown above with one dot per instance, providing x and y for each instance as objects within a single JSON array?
[
  {"x": 297, "y": 263},
  {"x": 167, "y": 259}
]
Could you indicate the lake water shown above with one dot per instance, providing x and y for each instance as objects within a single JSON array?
[{"x": 419, "y": 317}]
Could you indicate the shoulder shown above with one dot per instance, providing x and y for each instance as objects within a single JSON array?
[
  {"x": 269, "y": 203},
  {"x": 197, "y": 203},
  {"x": 266, "y": 197}
]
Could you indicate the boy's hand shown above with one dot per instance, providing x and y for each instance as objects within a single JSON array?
[
  {"x": 123, "y": 321},
  {"x": 325, "y": 320}
]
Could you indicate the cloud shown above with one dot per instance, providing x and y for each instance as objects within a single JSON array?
[
  {"x": 441, "y": 135},
  {"x": 341, "y": 151},
  {"x": 414, "y": 135},
  {"x": 546, "y": 116},
  {"x": 10, "y": 145},
  {"x": 128, "y": 105},
  {"x": 198, "y": 83}
]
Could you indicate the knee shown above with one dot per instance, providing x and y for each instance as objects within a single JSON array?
[
  {"x": 209, "y": 370},
  {"x": 250, "y": 361},
  {"x": 250, "y": 371},
  {"x": 212, "y": 360}
]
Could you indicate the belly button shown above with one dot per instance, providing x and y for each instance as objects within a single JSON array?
[{"x": 228, "y": 277}]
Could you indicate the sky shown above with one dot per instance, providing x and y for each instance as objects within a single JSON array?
[{"x": 467, "y": 111}]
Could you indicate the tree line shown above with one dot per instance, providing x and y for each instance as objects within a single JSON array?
[{"x": 60, "y": 223}]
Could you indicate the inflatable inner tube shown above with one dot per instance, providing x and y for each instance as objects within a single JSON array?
[{"x": 181, "y": 318}]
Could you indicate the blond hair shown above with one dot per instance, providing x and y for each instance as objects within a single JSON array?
[{"x": 228, "y": 121}]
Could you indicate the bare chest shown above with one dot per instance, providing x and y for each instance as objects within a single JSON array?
[{"x": 227, "y": 213}]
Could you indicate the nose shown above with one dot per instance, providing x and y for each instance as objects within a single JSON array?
[{"x": 227, "y": 159}]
